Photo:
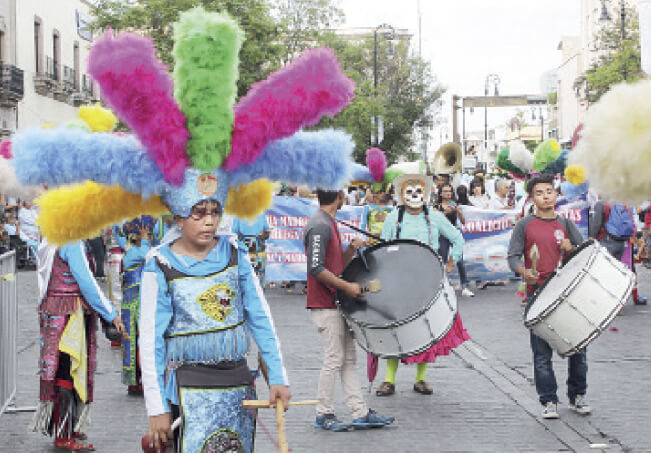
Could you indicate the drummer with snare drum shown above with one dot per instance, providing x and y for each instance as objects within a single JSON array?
[{"x": 554, "y": 237}]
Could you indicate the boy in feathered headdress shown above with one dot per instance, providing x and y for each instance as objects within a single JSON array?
[{"x": 198, "y": 154}]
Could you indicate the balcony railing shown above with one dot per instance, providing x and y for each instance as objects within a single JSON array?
[
  {"x": 87, "y": 86},
  {"x": 51, "y": 69},
  {"x": 12, "y": 84},
  {"x": 70, "y": 80}
]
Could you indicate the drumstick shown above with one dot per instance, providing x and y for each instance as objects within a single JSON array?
[
  {"x": 252, "y": 404},
  {"x": 373, "y": 286},
  {"x": 280, "y": 423},
  {"x": 534, "y": 255}
]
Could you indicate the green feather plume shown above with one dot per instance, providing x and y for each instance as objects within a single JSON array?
[{"x": 206, "y": 48}]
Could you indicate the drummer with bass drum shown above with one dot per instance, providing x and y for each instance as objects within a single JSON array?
[{"x": 553, "y": 237}]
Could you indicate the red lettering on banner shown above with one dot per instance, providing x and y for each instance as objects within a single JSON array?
[
  {"x": 286, "y": 234},
  {"x": 575, "y": 215},
  {"x": 272, "y": 220},
  {"x": 293, "y": 221},
  {"x": 286, "y": 258}
]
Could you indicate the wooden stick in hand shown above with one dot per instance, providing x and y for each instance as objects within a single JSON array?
[
  {"x": 265, "y": 403},
  {"x": 280, "y": 423},
  {"x": 534, "y": 255}
]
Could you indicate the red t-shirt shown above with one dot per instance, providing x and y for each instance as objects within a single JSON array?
[
  {"x": 324, "y": 251},
  {"x": 547, "y": 234}
]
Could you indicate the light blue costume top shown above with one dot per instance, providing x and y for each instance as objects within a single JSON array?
[
  {"x": 414, "y": 227},
  {"x": 75, "y": 255},
  {"x": 203, "y": 315},
  {"x": 136, "y": 255},
  {"x": 244, "y": 227}
]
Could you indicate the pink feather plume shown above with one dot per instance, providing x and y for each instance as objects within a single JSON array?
[
  {"x": 376, "y": 162},
  {"x": 5, "y": 149},
  {"x": 293, "y": 97},
  {"x": 137, "y": 86}
]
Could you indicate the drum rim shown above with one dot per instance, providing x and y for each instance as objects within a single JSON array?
[
  {"x": 552, "y": 307},
  {"x": 366, "y": 348},
  {"x": 413, "y": 315}
]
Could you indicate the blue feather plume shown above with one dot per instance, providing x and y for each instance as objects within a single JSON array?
[
  {"x": 65, "y": 156},
  {"x": 319, "y": 159},
  {"x": 361, "y": 173}
]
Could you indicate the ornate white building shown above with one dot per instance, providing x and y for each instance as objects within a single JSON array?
[{"x": 44, "y": 48}]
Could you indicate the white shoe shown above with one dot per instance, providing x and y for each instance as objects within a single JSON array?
[
  {"x": 467, "y": 292},
  {"x": 550, "y": 411},
  {"x": 580, "y": 406}
]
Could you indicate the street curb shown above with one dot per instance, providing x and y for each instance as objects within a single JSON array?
[{"x": 575, "y": 432}]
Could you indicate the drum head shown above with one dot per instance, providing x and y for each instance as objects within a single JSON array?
[
  {"x": 559, "y": 281},
  {"x": 410, "y": 274}
]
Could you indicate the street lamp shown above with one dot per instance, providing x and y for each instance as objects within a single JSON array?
[
  {"x": 542, "y": 121},
  {"x": 605, "y": 16},
  {"x": 493, "y": 79},
  {"x": 388, "y": 32}
]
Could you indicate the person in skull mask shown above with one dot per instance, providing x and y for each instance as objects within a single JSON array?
[{"x": 412, "y": 219}]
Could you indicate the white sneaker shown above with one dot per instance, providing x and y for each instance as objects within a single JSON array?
[
  {"x": 467, "y": 292},
  {"x": 550, "y": 411},
  {"x": 580, "y": 406}
]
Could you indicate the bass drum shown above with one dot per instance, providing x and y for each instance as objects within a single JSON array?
[
  {"x": 415, "y": 307},
  {"x": 578, "y": 301}
]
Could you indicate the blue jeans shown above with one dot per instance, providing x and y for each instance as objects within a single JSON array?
[
  {"x": 444, "y": 251},
  {"x": 543, "y": 372}
]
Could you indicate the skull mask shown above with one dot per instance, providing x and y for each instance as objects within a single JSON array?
[{"x": 413, "y": 193}]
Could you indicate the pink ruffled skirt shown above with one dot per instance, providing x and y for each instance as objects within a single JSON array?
[{"x": 454, "y": 338}]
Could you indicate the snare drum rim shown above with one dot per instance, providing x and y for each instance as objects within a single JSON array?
[
  {"x": 411, "y": 317},
  {"x": 552, "y": 307}
]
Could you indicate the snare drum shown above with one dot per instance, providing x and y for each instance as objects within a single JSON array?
[
  {"x": 415, "y": 308},
  {"x": 579, "y": 300}
]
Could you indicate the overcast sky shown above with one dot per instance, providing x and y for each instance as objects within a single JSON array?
[{"x": 465, "y": 40}]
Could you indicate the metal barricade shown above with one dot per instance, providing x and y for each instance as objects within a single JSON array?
[{"x": 8, "y": 330}]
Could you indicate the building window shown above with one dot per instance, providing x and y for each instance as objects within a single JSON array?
[
  {"x": 75, "y": 57},
  {"x": 37, "y": 45},
  {"x": 56, "y": 56},
  {"x": 2, "y": 46}
]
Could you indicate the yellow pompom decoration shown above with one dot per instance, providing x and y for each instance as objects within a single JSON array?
[
  {"x": 575, "y": 174},
  {"x": 98, "y": 118},
  {"x": 82, "y": 211},
  {"x": 250, "y": 200}
]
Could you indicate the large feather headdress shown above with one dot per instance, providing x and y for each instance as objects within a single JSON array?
[{"x": 191, "y": 141}]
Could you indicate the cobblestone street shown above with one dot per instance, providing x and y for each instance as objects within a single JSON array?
[{"x": 484, "y": 399}]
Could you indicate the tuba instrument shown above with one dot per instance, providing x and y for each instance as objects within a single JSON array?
[{"x": 448, "y": 159}]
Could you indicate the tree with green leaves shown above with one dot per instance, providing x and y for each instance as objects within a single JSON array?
[
  {"x": 258, "y": 57},
  {"x": 619, "y": 59},
  {"x": 407, "y": 95},
  {"x": 303, "y": 23}
]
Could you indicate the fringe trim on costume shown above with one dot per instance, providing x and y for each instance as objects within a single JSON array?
[
  {"x": 210, "y": 347},
  {"x": 42, "y": 417},
  {"x": 83, "y": 411}
]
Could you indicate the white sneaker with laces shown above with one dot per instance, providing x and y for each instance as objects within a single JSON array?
[
  {"x": 550, "y": 411},
  {"x": 467, "y": 292},
  {"x": 580, "y": 406}
]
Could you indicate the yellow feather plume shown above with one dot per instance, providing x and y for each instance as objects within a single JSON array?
[
  {"x": 82, "y": 211},
  {"x": 250, "y": 200},
  {"x": 575, "y": 174},
  {"x": 98, "y": 118}
]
